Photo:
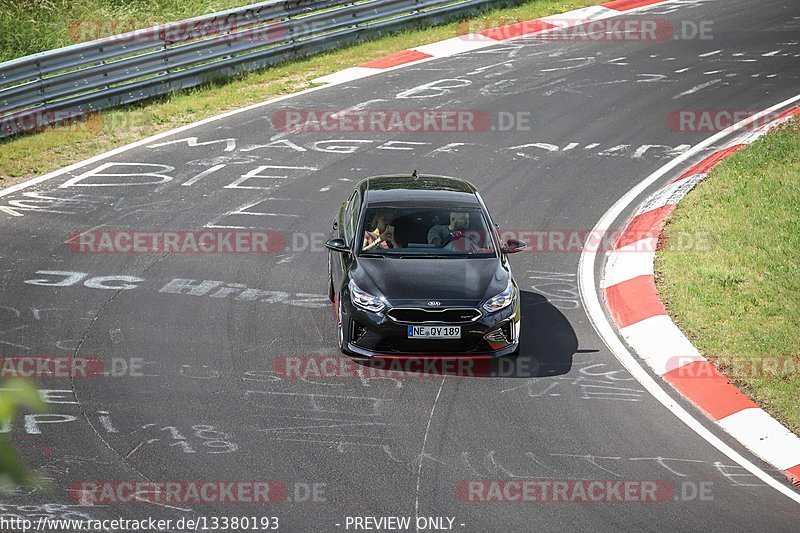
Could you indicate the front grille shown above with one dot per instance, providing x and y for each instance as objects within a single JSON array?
[{"x": 413, "y": 315}]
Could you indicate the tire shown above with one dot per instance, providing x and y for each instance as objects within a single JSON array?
[
  {"x": 331, "y": 292},
  {"x": 340, "y": 332}
]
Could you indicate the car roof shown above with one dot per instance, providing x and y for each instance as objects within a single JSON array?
[{"x": 418, "y": 188}]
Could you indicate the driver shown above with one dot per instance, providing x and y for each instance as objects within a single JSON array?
[{"x": 441, "y": 235}]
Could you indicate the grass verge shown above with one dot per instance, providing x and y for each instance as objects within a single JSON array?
[
  {"x": 31, "y": 155},
  {"x": 40, "y": 25},
  {"x": 738, "y": 298}
]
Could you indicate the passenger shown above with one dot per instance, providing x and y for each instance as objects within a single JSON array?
[
  {"x": 383, "y": 234},
  {"x": 441, "y": 235}
]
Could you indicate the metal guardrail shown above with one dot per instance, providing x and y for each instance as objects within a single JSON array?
[{"x": 59, "y": 85}]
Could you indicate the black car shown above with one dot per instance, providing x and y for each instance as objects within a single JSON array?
[{"x": 417, "y": 267}]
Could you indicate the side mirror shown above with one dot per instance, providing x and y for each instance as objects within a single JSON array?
[
  {"x": 513, "y": 246},
  {"x": 337, "y": 245}
]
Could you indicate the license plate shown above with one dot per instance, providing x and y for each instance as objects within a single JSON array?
[{"x": 434, "y": 332}]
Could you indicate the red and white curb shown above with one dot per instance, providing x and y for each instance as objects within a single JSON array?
[
  {"x": 632, "y": 301},
  {"x": 484, "y": 38}
]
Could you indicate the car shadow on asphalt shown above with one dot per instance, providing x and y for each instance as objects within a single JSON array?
[
  {"x": 547, "y": 340},
  {"x": 548, "y": 343}
]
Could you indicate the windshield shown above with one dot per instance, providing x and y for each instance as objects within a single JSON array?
[{"x": 437, "y": 231}]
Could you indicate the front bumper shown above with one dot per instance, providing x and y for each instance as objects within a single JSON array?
[{"x": 375, "y": 335}]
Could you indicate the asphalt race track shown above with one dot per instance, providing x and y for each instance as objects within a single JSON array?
[{"x": 207, "y": 403}]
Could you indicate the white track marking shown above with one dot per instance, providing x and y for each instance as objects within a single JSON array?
[
  {"x": 422, "y": 453},
  {"x": 148, "y": 140},
  {"x": 601, "y": 324},
  {"x": 697, "y": 88},
  {"x": 202, "y": 175}
]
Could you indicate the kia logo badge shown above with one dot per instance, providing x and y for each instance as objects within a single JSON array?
[{"x": 434, "y": 303}]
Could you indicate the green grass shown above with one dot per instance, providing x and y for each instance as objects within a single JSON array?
[
  {"x": 738, "y": 300},
  {"x": 22, "y": 157},
  {"x": 31, "y": 26}
]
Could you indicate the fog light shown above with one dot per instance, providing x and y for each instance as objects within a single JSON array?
[
  {"x": 497, "y": 338},
  {"x": 359, "y": 330}
]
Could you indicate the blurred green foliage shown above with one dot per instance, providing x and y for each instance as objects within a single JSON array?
[{"x": 15, "y": 393}]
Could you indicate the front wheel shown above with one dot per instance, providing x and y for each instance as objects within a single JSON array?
[
  {"x": 340, "y": 330},
  {"x": 331, "y": 292}
]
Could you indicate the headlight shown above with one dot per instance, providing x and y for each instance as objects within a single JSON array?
[
  {"x": 502, "y": 300},
  {"x": 364, "y": 300}
]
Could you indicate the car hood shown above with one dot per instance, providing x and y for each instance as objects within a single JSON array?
[{"x": 449, "y": 281}]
